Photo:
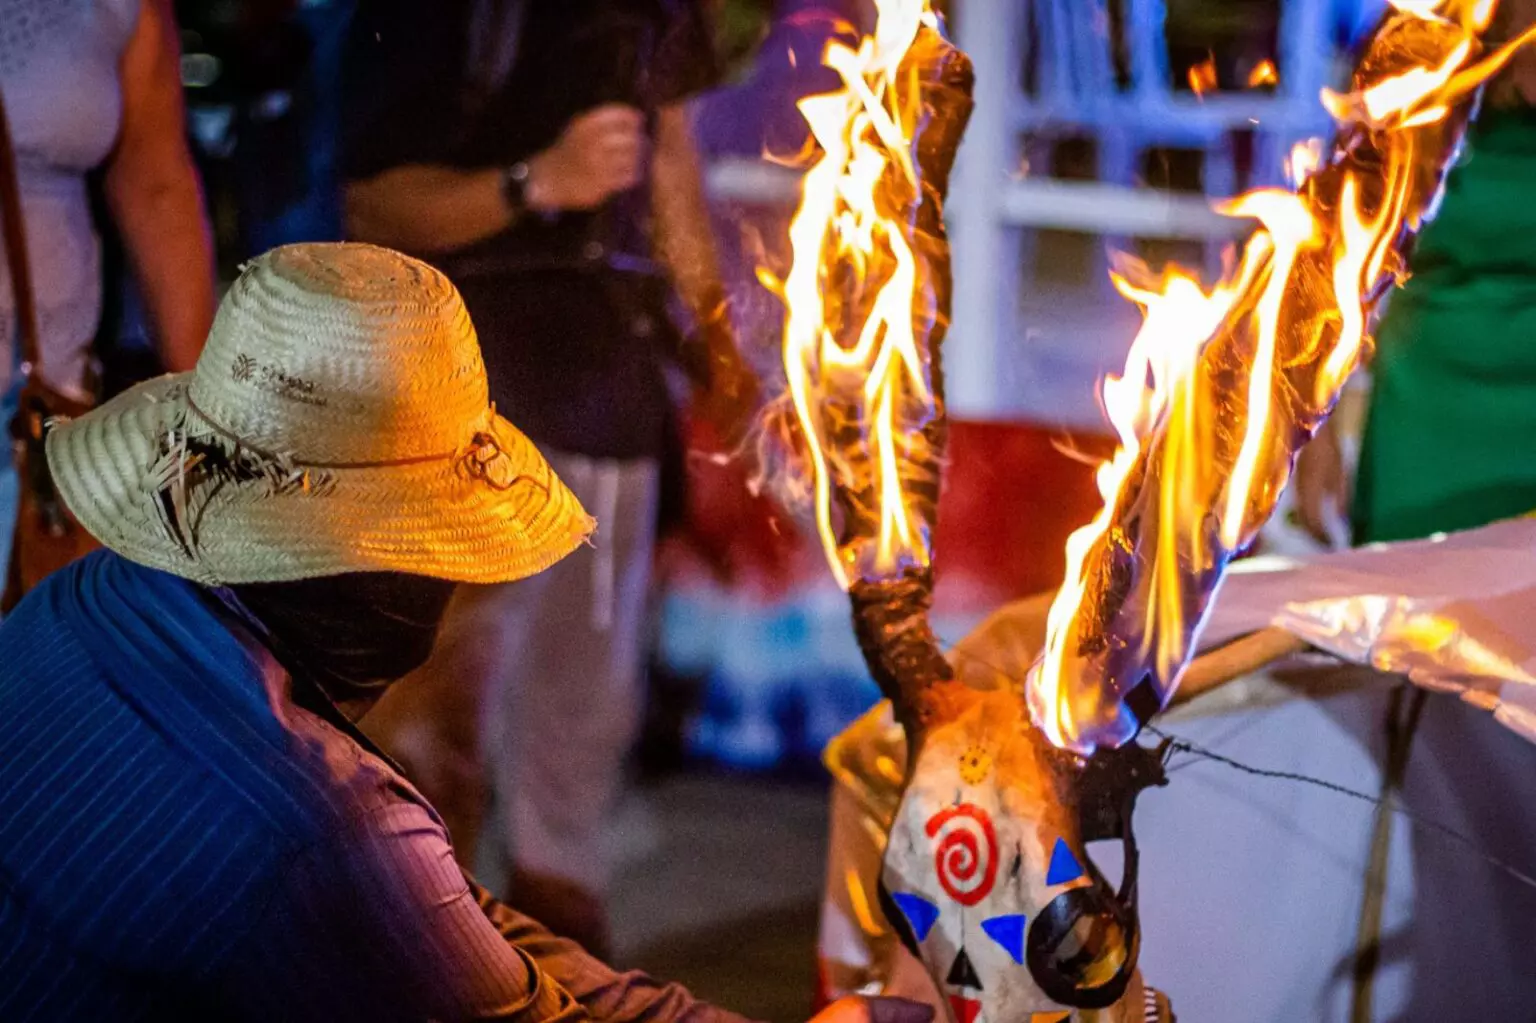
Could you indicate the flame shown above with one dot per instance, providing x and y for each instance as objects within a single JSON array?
[
  {"x": 1263, "y": 74},
  {"x": 1222, "y": 386},
  {"x": 859, "y": 379},
  {"x": 1404, "y": 95},
  {"x": 1473, "y": 15},
  {"x": 1202, "y": 77},
  {"x": 1306, "y": 157}
]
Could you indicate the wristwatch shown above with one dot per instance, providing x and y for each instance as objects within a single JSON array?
[{"x": 514, "y": 188}]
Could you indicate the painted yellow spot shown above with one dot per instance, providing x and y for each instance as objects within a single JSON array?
[
  {"x": 975, "y": 765},
  {"x": 1049, "y": 1017}
]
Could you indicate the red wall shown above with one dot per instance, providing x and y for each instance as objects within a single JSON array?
[{"x": 1013, "y": 492}]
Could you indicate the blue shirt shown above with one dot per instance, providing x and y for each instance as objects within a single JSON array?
[{"x": 180, "y": 839}]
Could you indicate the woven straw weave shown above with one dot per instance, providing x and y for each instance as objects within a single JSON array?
[{"x": 337, "y": 421}]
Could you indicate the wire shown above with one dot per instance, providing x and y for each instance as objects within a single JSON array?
[{"x": 1180, "y": 745}]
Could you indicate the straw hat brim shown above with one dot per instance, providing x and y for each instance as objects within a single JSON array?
[{"x": 120, "y": 471}]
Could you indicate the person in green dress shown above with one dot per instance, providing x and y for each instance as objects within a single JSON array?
[{"x": 1450, "y": 433}]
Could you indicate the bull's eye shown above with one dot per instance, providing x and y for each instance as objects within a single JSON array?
[
  {"x": 1007, "y": 931},
  {"x": 920, "y": 913}
]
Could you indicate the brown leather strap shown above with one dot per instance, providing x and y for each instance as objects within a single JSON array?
[{"x": 15, "y": 231}]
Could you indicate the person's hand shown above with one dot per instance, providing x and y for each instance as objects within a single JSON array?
[
  {"x": 1322, "y": 487},
  {"x": 874, "y": 1010},
  {"x": 600, "y": 154}
]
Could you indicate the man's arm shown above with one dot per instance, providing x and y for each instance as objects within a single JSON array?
[
  {"x": 379, "y": 923},
  {"x": 605, "y": 994},
  {"x": 426, "y": 208},
  {"x": 685, "y": 65},
  {"x": 153, "y": 192},
  {"x": 684, "y": 238},
  {"x": 685, "y": 241}
]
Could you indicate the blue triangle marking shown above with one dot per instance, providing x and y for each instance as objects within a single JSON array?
[
  {"x": 920, "y": 913},
  {"x": 1007, "y": 931},
  {"x": 1064, "y": 865}
]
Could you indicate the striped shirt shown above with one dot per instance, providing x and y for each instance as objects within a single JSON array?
[{"x": 180, "y": 839}]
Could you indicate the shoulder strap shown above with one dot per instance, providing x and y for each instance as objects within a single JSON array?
[{"x": 15, "y": 232}]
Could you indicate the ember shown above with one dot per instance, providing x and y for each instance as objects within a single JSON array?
[
  {"x": 1202, "y": 77},
  {"x": 1222, "y": 388}
]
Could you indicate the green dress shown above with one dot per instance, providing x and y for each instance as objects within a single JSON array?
[{"x": 1450, "y": 440}]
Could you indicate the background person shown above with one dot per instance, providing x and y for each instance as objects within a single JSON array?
[
  {"x": 94, "y": 86},
  {"x": 535, "y": 151},
  {"x": 1450, "y": 431}
]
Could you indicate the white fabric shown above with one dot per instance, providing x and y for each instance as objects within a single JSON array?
[
  {"x": 1454, "y": 613},
  {"x": 59, "y": 72},
  {"x": 1251, "y": 887},
  {"x": 559, "y": 657}
]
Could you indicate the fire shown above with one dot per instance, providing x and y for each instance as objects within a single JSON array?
[
  {"x": 1306, "y": 157},
  {"x": 1202, "y": 77},
  {"x": 859, "y": 307},
  {"x": 1222, "y": 387},
  {"x": 1264, "y": 73}
]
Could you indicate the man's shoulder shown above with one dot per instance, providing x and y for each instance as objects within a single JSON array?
[
  {"x": 358, "y": 787},
  {"x": 136, "y": 847}
]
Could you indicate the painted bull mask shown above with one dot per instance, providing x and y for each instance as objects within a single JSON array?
[{"x": 987, "y": 877}]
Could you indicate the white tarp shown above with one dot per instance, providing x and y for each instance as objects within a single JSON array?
[{"x": 1455, "y": 613}]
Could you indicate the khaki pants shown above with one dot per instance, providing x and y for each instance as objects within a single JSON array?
[{"x": 518, "y": 726}]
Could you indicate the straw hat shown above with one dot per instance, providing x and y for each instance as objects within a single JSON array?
[{"x": 337, "y": 421}]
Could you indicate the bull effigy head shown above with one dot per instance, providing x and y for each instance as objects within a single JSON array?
[
  {"x": 987, "y": 871},
  {"x": 987, "y": 874}
]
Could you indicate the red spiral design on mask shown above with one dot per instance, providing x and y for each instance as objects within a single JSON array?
[{"x": 964, "y": 852}]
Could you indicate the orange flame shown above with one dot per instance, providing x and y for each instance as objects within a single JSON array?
[
  {"x": 1221, "y": 387},
  {"x": 1202, "y": 77},
  {"x": 1306, "y": 157},
  {"x": 859, "y": 383},
  {"x": 1263, "y": 74},
  {"x": 1473, "y": 15}
]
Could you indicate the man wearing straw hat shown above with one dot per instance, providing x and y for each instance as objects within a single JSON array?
[{"x": 190, "y": 827}]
